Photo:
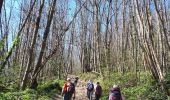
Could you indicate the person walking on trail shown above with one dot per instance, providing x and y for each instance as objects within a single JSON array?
[
  {"x": 98, "y": 91},
  {"x": 115, "y": 93},
  {"x": 87, "y": 88},
  {"x": 76, "y": 80},
  {"x": 90, "y": 89},
  {"x": 68, "y": 90}
]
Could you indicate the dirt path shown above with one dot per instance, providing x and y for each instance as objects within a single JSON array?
[{"x": 80, "y": 91}]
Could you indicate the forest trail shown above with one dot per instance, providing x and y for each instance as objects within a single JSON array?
[{"x": 80, "y": 90}]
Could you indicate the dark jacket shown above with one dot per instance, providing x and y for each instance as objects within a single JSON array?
[{"x": 115, "y": 94}]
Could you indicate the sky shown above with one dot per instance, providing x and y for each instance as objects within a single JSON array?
[
  {"x": 14, "y": 7},
  {"x": 11, "y": 6},
  {"x": 16, "y": 11}
]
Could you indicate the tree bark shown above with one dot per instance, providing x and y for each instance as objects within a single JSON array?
[
  {"x": 43, "y": 45},
  {"x": 31, "y": 50},
  {"x": 1, "y": 3}
]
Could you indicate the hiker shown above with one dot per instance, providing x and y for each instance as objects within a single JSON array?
[
  {"x": 76, "y": 80},
  {"x": 98, "y": 91},
  {"x": 115, "y": 93},
  {"x": 68, "y": 90},
  {"x": 90, "y": 89},
  {"x": 87, "y": 87}
]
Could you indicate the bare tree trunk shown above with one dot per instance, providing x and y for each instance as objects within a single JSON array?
[
  {"x": 31, "y": 50},
  {"x": 162, "y": 24},
  {"x": 16, "y": 40},
  {"x": 108, "y": 39},
  {"x": 123, "y": 37},
  {"x": 1, "y": 3},
  {"x": 43, "y": 45},
  {"x": 147, "y": 44}
]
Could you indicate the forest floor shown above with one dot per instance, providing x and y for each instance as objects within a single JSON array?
[{"x": 80, "y": 91}]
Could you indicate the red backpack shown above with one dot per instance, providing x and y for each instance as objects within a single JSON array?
[{"x": 71, "y": 88}]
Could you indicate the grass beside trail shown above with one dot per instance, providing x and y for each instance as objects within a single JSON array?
[
  {"x": 132, "y": 88},
  {"x": 44, "y": 92}
]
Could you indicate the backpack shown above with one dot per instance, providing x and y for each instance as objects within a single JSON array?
[
  {"x": 115, "y": 95},
  {"x": 71, "y": 88},
  {"x": 76, "y": 80},
  {"x": 90, "y": 87},
  {"x": 98, "y": 90}
]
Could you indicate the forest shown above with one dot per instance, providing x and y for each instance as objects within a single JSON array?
[{"x": 124, "y": 42}]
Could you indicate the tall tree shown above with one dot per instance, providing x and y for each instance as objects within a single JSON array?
[
  {"x": 29, "y": 64},
  {"x": 1, "y": 3}
]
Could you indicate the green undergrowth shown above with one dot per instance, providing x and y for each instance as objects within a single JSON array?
[
  {"x": 131, "y": 86},
  {"x": 45, "y": 91},
  {"x": 167, "y": 80},
  {"x": 142, "y": 87},
  {"x": 89, "y": 76}
]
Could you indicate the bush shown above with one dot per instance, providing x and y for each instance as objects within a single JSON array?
[
  {"x": 43, "y": 98},
  {"x": 167, "y": 80},
  {"x": 44, "y": 92},
  {"x": 89, "y": 76},
  {"x": 23, "y": 95},
  {"x": 3, "y": 89},
  {"x": 154, "y": 93},
  {"x": 131, "y": 87},
  {"x": 50, "y": 86}
]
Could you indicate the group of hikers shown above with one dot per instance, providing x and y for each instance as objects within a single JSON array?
[{"x": 69, "y": 90}]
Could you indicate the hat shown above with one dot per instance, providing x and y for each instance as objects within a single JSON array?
[
  {"x": 90, "y": 81},
  {"x": 68, "y": 79},
  {"x": 115, "y": 86}
]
